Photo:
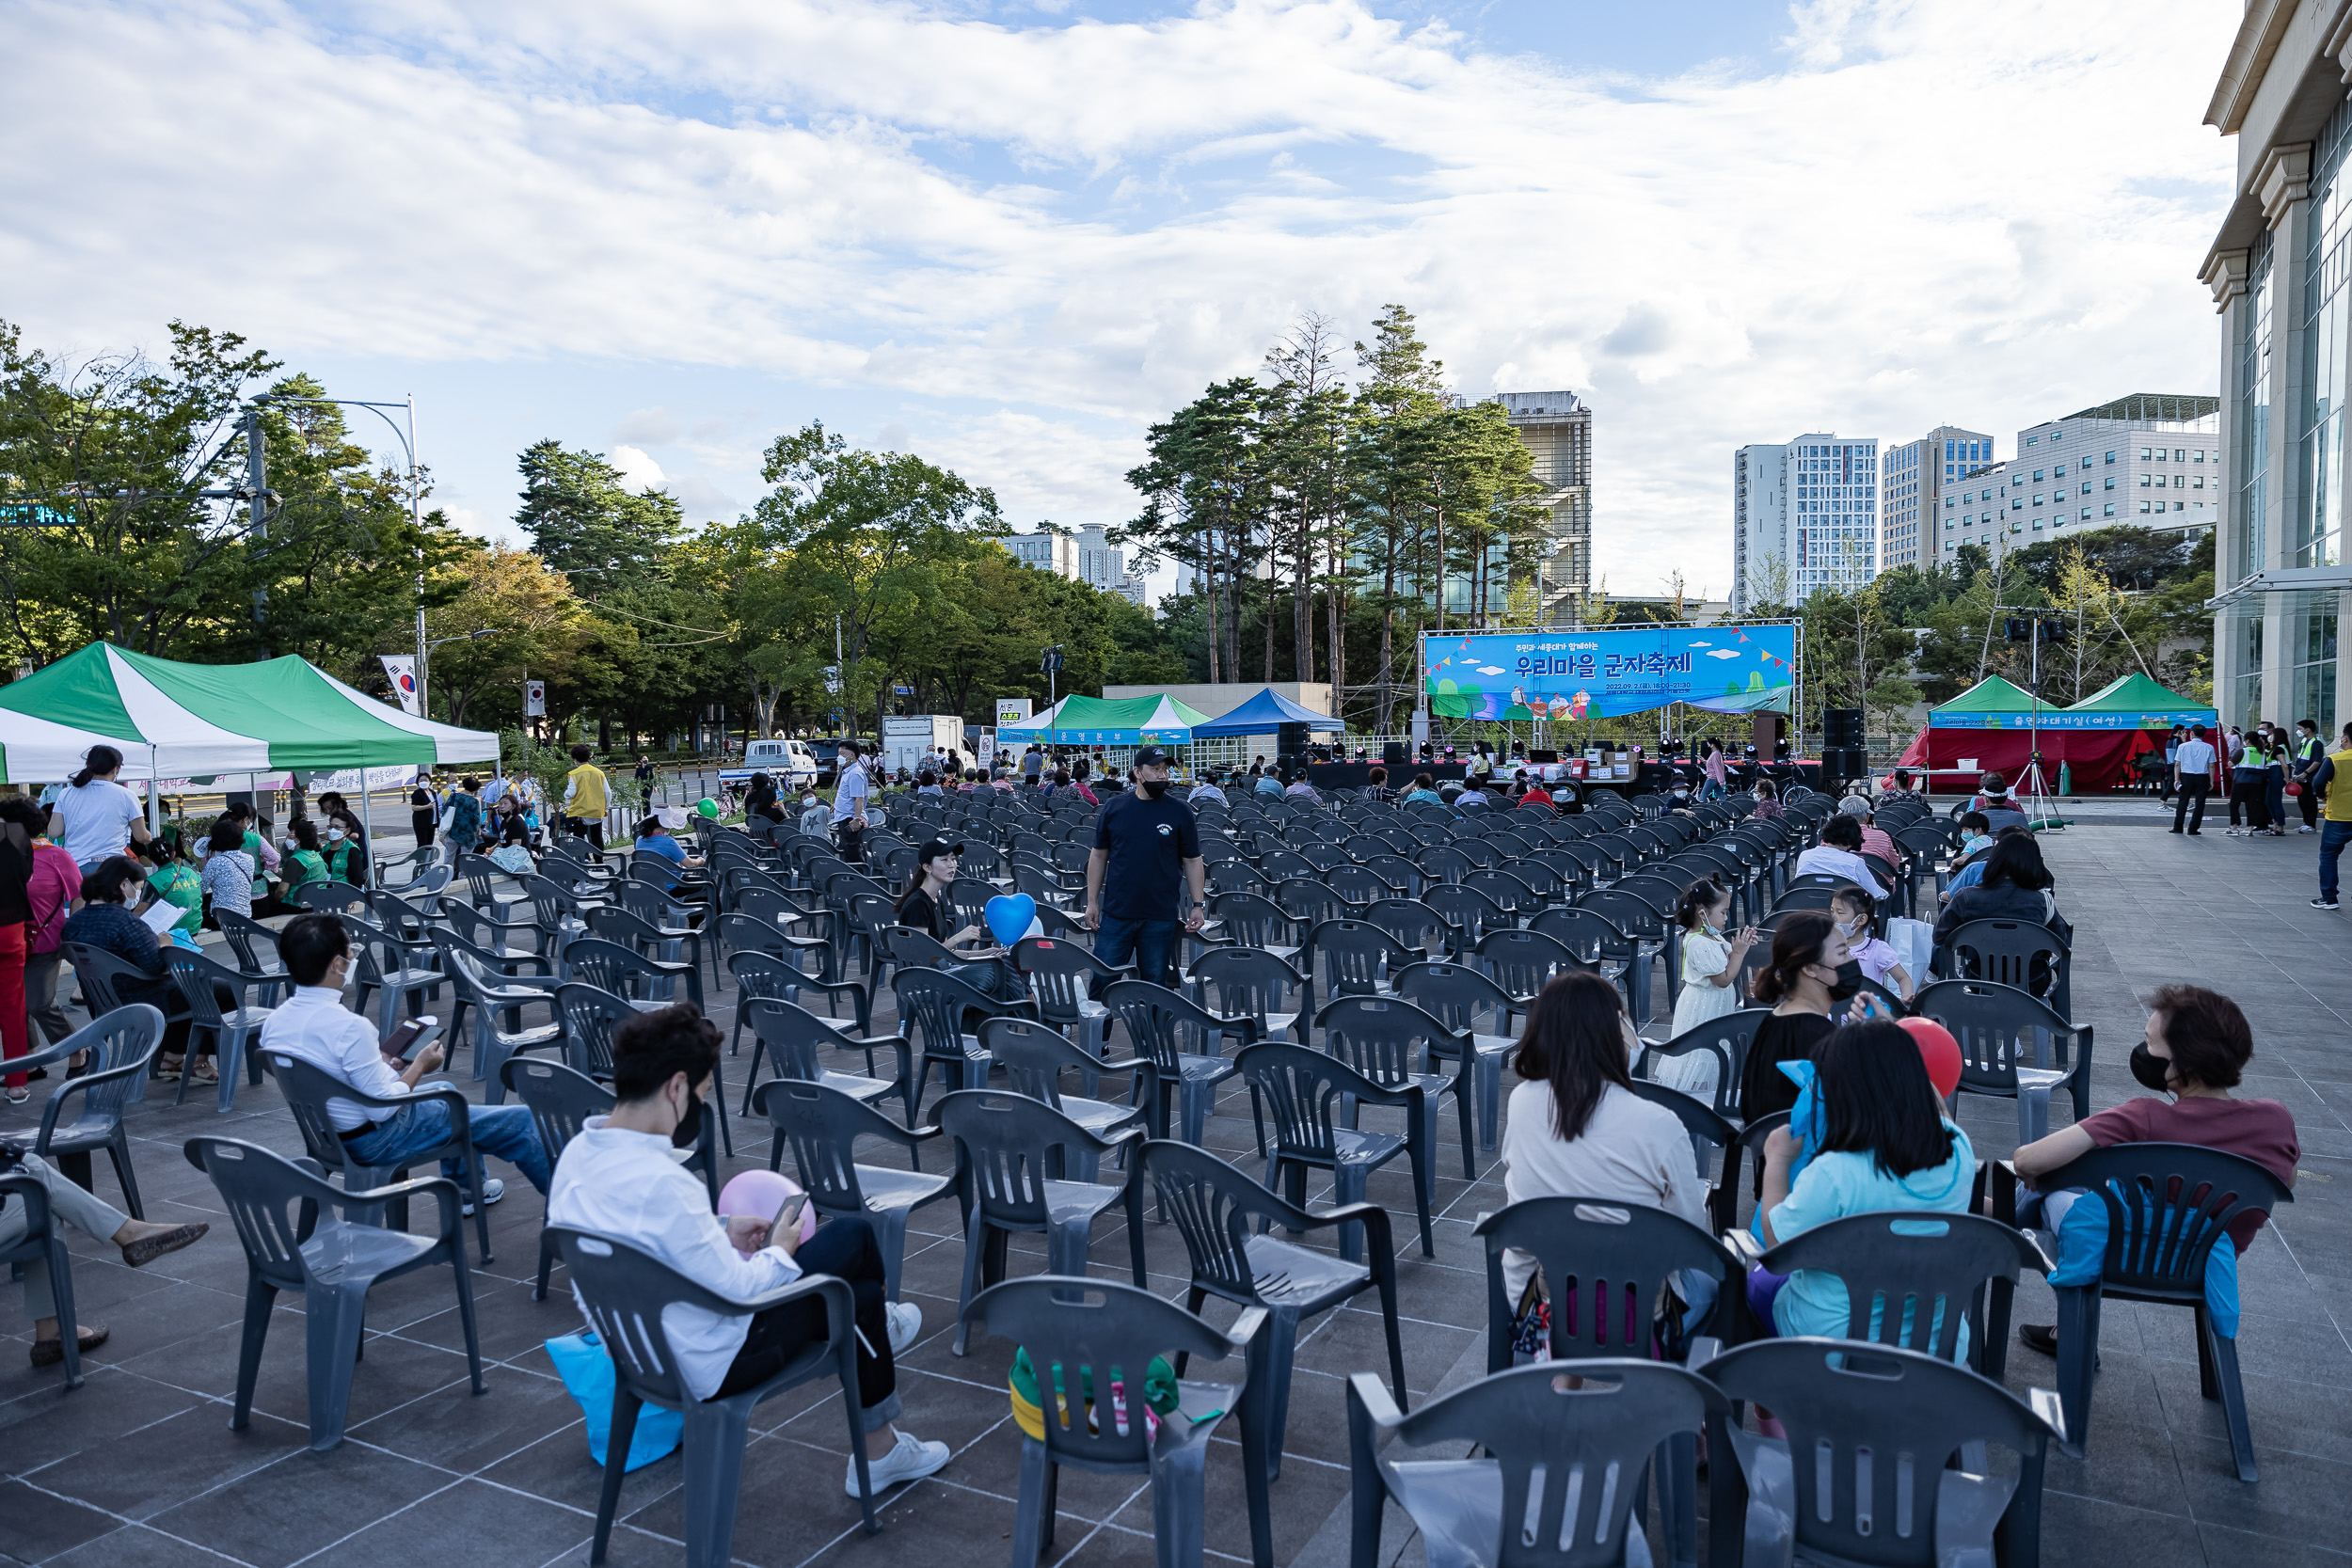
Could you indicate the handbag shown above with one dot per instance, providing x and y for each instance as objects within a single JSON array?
[{"x": 586, "y": 1370}]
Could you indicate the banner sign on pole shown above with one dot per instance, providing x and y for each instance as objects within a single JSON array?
[
  {"x": 534, "y": 699},
  {"x": 402, "y": 670},
  {"x": 1013, "y": 710},
  {"x": 1554, "y": 673}
]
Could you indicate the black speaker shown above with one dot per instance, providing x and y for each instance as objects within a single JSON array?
[
  {"x": 1843, "y": 764},
  {"x": 1841, "y": 727},
  {"x": 1395, "y": 753}
]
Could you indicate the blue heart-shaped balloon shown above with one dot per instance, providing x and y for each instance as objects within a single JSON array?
[{"x": 1009, "y": 916}]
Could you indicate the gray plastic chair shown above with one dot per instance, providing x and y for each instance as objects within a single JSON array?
[
  {"x": 768, "y": 975},
  {"x": 1852, "y": 1413},
  {"x": 122, "y": 1046},
  {"x": 231, "y": 1028},
  {"x": 822, "y": 1126},
  {"x": 2017, "y": 953},
  {"x": 938, "y": 1004},
  {"x": 400, "y": 971},
  {"x": 1726, "y": 1039},
  {"x": 286, "y": 1217},
  {"x": 790, "y": 1036},
  {"x": 488, "y": 995},
  {"x": 256, "y": 947},
  {"x": 1996, "y": 1023},
  {"x": 1394, "y": 1044},
  {"x": 561, "y": 1101},
  {"x": 330, "y": 897},
  {"x": 1009, "y": 1151},
  {"x": 1250, "y": 983},
  {"x": 1034, "y": 1058},
  {"x": 617, "y": 923},
  {"x": 625, "y": 1292},
  {"x": 1161, "y": 1024},
  {"x": 1455, "y": 995},
  {"x": 44, "y": 1242},
  {"x": 308, "y": 1089},
  {"x": 1078, "y": 1332},
  {"x": 622, "y": 970},
  {"x": 1913, "y": 1279},
  {"x": 1306, "y": 1096},
  {"x": 1063, "y": 977},
  {"x": 2181, "y": 1200},
  {"x": 1604, "y": 1262},
  {"x": 590, "y": 1016},
  {"x": 1213, "y": 1205},
  {"x": 1357, "y": 957},
  {"x": 1552, "y": 1492}
]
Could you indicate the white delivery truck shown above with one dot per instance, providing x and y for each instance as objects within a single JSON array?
[
  {"x": 789, "y": 762},
  {"x": 906, "y": 741}
]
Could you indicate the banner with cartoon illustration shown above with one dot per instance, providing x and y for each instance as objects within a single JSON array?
[{"x": 1548, "y": 674}]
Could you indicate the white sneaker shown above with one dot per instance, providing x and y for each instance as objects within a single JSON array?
[
  {"x": 492, "y": 1190},
  {"x": 906, "y": 1322},
  {"x": 910, "y": 1460},
  {"x": 2307, "y": 830}
]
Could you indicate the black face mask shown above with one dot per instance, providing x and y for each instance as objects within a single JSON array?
[
  {"x": 2148, "y": 1068},
  {"x": 1155, "y": 788},
  {"x": 690, "y": 1126},
  {"x": 1849, "y": 981}
]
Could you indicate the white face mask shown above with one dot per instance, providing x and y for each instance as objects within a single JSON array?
[{"x": 334, "y": 833}]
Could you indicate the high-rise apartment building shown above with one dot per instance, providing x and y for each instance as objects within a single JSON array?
[
  {"x": 1916, "y": 476},
  {"x": 1088, "y": 556},
  {"x": 1557, "y": 429},
  {"x": 1805, "y": 517},
  {"x": 2277, "y": 271},
  {"x": 2152, "y": 460}
]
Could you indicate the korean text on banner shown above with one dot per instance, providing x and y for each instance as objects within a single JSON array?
[{"x": 1560, "y": 674}]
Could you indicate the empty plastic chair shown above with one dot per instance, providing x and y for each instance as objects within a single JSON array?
[
  {"x": 230, "y": 1027},
  {"x": 561, "y": 1101},
  {"x": 1063, "y": 977},
  {"x": 938, "y": 1005},
  {"x": 1995, "y": 1023},
  {"x": 491, "y": 997},
  {"x": 1302, "y": 1091},
  {"x": 1010, "y": 1153},
  {"x": 789, "y": 1038},
  {"x": 1455, "y": 995},
  {"x": 626, "y": 1291},
  {"x": 1213, "y": 1205},
  {"x": 1034, "y": 1058},
  {"x": 300, "y": 1233},
  {"x": 1253, "y": 984},
  {"x": 256, "y": 947},
  {"x": 1077, "y": 1334},
  {"x": 1161, "y": 1024},
  {"x": 1394, "y": 1044},
  {"x": 1706, "y": 1059},
  {"x": 122, "y": 1046},
  {"x": 1561, "y": 1485},
  {"x": 1853, "y": 1415}
]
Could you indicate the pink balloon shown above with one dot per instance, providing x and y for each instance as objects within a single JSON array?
[{"x": 760, "y": 1194}]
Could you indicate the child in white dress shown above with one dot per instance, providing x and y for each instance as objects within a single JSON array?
[{"x": 1710, "y": 981}]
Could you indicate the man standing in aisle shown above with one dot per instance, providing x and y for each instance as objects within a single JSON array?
[
  {"x": 2192, "y": 778},
  {"x": 1145, "y": 875},
  {"x": 586, "y": 797},
  {"x": 2333, "y": 784},
  {"x": 849, "y": 803}
]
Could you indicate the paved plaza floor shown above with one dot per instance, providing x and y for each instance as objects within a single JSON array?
[{"x": 138, "y": 1467}]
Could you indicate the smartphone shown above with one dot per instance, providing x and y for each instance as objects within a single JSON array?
[
  {"x": 412, "y": 1037},
  {"x": 789, "y": 1215}
]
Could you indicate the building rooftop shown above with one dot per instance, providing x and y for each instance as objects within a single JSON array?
[
  {"x": 1523, "y": 405},
  {"x": 2153, "y": 408}
]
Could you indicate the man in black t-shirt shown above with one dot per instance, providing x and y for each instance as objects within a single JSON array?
[{"x": 1145, "y": 877}]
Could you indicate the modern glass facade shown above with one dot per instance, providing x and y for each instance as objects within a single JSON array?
[
  {"x": 2250, "y": 459},
  {"x": 2319, "y": 524}
]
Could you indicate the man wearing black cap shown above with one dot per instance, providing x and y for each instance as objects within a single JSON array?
[{"x": 1145, "y": 875}]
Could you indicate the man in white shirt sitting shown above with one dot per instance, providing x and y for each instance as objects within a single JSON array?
[
  {"x": 315, "y": 1025},
  {"x": 1839, "y": 854},
  {"x": 620, "y": 1178}
]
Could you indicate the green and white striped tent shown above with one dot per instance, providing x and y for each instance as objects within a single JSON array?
[{"x": 174, "y": 721}]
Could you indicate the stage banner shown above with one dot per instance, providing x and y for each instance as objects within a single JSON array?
[{"x": 1556, "y": 675}]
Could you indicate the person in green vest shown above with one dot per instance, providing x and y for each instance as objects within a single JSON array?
[
  {"x": 346, "y": 859},
  {"x": 305, "y": 864},
  {"x": 176, "y": 881}
]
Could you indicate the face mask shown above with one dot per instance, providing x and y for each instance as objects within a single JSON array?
[
  {"x": 1849, "y": 981},
  {"x": 2148, "y": 1070},
  {"x": 1153, "y": 788},
  {"x": 334, "y": 833},
  {"x": 690, "y": 1126}
]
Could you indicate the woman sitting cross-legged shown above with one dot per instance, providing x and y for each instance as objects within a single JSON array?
[
  {"x": 617, "y": 1179},
  {"x": 1576, "y": 1129}
]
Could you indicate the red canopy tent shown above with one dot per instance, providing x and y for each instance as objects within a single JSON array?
[{"x": 1995, "y": 726}]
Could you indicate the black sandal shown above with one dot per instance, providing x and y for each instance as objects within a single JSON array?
[{"x": 48, "y": 1352}]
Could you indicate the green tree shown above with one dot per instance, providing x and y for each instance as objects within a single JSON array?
[
  {"x": 1207, "y": 494},
  {"x": 1394, "y": 451},
  {"x": 587, "y": 524}
]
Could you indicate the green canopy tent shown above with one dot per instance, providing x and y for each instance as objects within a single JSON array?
[
  {"x": 1081, "y": 721},
  {"x": 2135, "y": 701},
  {"x": 1995, "y": 726}
]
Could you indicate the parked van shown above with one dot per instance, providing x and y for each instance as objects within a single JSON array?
[{"x": 789, "y": 762}]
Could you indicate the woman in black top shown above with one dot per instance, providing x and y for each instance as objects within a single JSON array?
[
  {"x": 2016, "y": 886},
  {"x": 921, "y": 907},
  {"x": 760, "y": 800},
  {"x": 1811, "y": 973},
  {"x": 421, "y": 813}
]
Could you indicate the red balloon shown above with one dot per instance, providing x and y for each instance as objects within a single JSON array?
[{"x": 1938, "y": 1049}]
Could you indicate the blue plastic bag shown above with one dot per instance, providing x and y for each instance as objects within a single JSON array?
[
  {"x": 1806, "y": 1124},
  {"x": 2082, "y": 1237},
  {"x": 580, "y": 1361}
]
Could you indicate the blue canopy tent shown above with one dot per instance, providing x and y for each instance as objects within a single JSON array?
[{"x": 1263, "y": 714}]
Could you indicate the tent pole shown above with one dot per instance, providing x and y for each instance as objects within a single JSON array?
[{"x": 154, "y": 798}]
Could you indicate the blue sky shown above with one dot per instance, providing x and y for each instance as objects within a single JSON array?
[{"x": 1009, "y": 235}]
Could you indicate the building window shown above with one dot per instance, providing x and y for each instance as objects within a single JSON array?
[
  {"x": 2110, "y": 512},
  {"x": 2253, "y": 426},
  {"x": 2312, "y": 624},
  {"x": 2143, "y": 506},
  {"x": 2145, "y": 455},
  {"x": 2145, "y": 480},
  {"x": 2110, "y": 481},
  {"x": 2086, "y": 515}
]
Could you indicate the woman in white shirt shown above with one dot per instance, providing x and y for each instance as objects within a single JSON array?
[
  {"x": 94, "y": 817},
  {"x": 1576, "y": 1129}
]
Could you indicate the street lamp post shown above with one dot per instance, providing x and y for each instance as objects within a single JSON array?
[{"x": 407, "y": 440}]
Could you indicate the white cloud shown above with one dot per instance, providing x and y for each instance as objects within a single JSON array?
[
  {"x": 1024, "y": 242},
  {"x": 637, "y": 470}
]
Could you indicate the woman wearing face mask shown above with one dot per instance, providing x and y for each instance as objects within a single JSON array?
[
  {"x": 2195, "y": 1049},
  {"x": 1812, "y": 974},
  {"x": 345, "y": 860},
  {"x": 303, "y": 862}
]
